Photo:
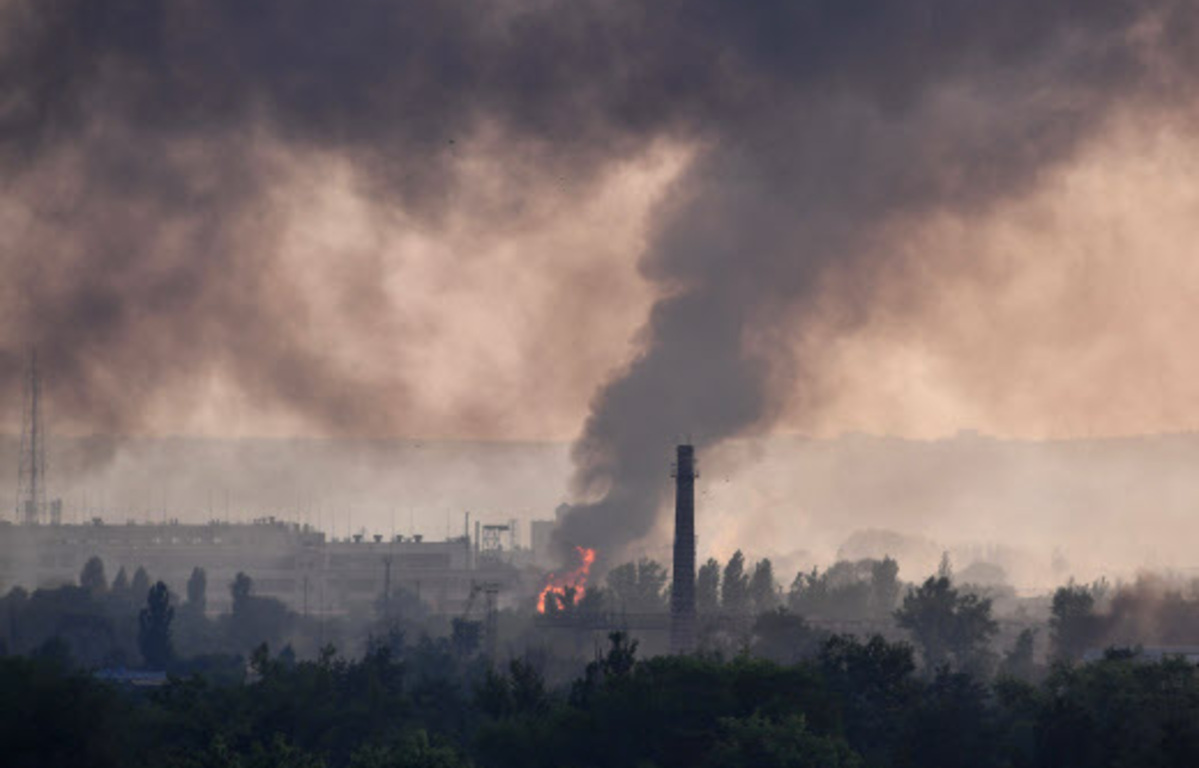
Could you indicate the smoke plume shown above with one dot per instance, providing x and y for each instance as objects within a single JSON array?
[
  {"x": 866, "y": 117},
  {"x": 143, "y": 145}
]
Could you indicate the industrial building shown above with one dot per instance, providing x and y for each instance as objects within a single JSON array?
[
  {"x": 295, "y": 563},
  {"x": 311, "y": 572}
]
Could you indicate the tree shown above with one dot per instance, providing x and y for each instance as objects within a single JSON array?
[
  {"x": 874, "y": 681},
  {"x": 953, "y": 724},
  {"x": 734, "y": 587},
  {"x": 948, "y": 627},
  {"x": 466, "y": 636},
  {"x": 638, "y": 587},
  {"x": 255, "y": 619},
  {"x": 92, "y": 576},
  {"x": 945, "y": 567},
  {"x": 140, "y": 584},
  {"x": 843, "y": 591},
  {"x": 75, "y": 616},
  {"x": 1019, "y": 662},
  {"x": 707, "y": 587},
  {"x": 154, "y": 627},
  {"x": 197, "y": 590},
  {"x": 414, "y": 750},
  {"x": 651, "y": 585},
  {"x": 240, "y": 589},
  {"x": 528, "y": 688},
  {"x": 1074, "y": 626},
  {"x": 762, "y": 588},
  {"x": 120, "y": 584},
  {"x": 563, "y": 600},
  {"x": 758, "y": 742},
  {"x": 784, "y": 637},
  {"x": 592, "y": 601},
  {"x": 884, "y": 587}
]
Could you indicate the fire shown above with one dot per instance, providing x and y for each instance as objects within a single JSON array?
[{"x": 576, "y": 579}]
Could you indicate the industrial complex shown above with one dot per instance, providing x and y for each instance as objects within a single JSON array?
[
  {"x": 297, "y": 564},
  {"x": 312, "y": 572}
]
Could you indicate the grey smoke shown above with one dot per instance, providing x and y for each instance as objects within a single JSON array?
[
  {"x": 872, "y": 113},
  {"x": 144, "y": 135}
]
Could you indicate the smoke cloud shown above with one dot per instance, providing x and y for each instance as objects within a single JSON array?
[
  {"x": 150, "y": 154},
  {"x": 874, "y": 118}
]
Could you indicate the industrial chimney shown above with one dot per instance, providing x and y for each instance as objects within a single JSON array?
[{"x": 682, "y": 593}]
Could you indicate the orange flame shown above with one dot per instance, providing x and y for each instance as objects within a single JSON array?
[{"x": 576, "y": 579}]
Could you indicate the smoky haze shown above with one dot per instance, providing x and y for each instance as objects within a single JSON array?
[
  {"x": 144, "y": 145},
  {"x": 866, "y": 119}
]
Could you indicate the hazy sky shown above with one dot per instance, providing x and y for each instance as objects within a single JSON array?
[{"x": 624, "y": 223}]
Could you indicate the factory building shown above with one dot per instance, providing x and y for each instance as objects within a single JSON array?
[
  {"x": 294, "y": 563},
  {"x": 298, "y": 564}
]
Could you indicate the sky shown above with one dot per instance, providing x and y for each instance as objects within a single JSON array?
[{"x": 619, "y": 225}]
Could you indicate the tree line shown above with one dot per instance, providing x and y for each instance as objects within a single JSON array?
[{"x": 850, "y": 704}]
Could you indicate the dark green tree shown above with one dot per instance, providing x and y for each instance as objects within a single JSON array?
[
  {"x": 466, "y": 636},
  {"x": 120, "y": 583},
  {"x": 707, "y": 587},
  {"x": 953, "y": 725},
  {"x": 593, "y": 601},
  {"x": 1120, "y": 711},
  {"x": 255, "y": 619},
  {"x": 1074, "y": 627},
  {"x": 529, "y": 696},
  {"x": 884, "y": 587},
  {"x": 154, "y": 627},
  {"x": 638, "y": 587},
  {"x": 945, "y": 567},
  {"x": 948, "y": 627},
  {"x": 92, "y": 576},
  {"x": 843, "y": 591},
  {"x": 75, "y": 616},
  {"x": 240, "y": 590},
  {"x": 1020, "y": 660},
  {"x": 760, "y": 742},
  {"x": 784, "y": 637},
  {"x": 197, "y": 591},
  {"x": 762, "y": 594},
  {"x": 734, "y": 586},
  {"x": 415, "y": 750},
  {"x": 140, "y": 584},
  {"x": 873, "y": 680},
  {"x": 614, "y": 667}
]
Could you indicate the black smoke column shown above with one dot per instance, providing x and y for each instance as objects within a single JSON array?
[{"x": 682, "y": 593}]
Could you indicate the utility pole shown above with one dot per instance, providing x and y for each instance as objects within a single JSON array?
[
  {"x": 387, "y": 586},
  {"x": 491, "y": 625},
  {"x": 31, "y": 473}
]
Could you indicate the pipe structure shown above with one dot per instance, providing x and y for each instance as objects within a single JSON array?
[{"x": 682, "y": 592}]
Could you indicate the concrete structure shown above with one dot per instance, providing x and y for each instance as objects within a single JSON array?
[
  {"x": 294, "y": 563},
  {"x": 31, "y": 472},
  {"x": 682, "y": 593}
]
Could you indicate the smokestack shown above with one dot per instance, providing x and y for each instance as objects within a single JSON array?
[{"x": 682, "y": 593}]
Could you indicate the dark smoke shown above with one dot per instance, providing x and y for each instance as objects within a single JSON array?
[
  {"x": 857, "y": 115},
  {"x": 144, "y": 139}
]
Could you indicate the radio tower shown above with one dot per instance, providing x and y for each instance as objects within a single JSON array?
[{"x": 31, "y": 475}]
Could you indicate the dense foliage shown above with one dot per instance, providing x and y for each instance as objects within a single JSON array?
[
  {"x": 776, "y": 682},
  {"x": 853, "y": 704}
]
